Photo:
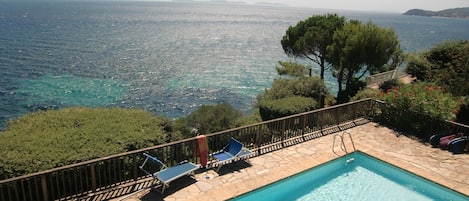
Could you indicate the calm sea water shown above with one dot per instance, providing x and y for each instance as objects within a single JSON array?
[{"x": 168, "y": 58}]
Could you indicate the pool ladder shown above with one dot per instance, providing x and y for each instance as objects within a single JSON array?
[{"x": 342, "y": 143}]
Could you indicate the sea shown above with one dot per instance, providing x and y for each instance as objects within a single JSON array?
[{"x": 165, "y": 57}]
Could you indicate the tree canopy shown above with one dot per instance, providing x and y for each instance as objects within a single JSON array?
[
  {"x": 353, "y": 49},
  {"x": 359, "y": 49},
  {"x": 291, "y": 69},
  {"x": 310, "y": 38},
  {"x": 446, "y": 64}
]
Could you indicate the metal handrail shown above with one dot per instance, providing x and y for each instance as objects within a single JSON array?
[{"x": 342, "y": 144}]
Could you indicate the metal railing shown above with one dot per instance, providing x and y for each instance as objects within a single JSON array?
[
  {"x": 379, "y": 78},
  {"x": 342, "y": 144},
  {"x": 99, "y": 178}
]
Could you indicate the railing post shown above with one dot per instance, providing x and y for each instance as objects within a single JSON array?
[
  {"x": 93, "y": 177},
  {"x": 337, "y": 116},
  {"x": 321, "y": 122},
  {"x": 45, "y": 193},
  {"x": 259, "y": 139},
  {"x": 283, "y": 133},
  {"x": 135, "y": 167},
  {"x": 305, "y": 119}
]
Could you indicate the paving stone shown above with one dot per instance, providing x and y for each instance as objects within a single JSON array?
[{"x": 203, "y": 186}]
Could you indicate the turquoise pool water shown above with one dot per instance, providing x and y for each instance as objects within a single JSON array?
[{"x": 361, "y": 178}]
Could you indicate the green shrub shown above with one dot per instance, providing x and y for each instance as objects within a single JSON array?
[
  {"x": 286, "y": 94},
  {"x": 388, "y": 84},
  {"x": 271, "y": 109},
  {"x": 424, "y": 98},
  {"x": 311, "y": 87},
  {"x": 445, "y": 64},
  {"x": 463, "y": 112},
  {"x": 49, "y": 139},
  {"x": 418, "y": 66},
  {"x": 212, "y": 118},
  {"x": 251, "y": 118},
  {"x": 365, "y": 93}
]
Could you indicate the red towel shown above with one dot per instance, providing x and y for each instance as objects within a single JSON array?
[
  {"x": 203, "y": 149},
  {"x": 202, "y": 142}
]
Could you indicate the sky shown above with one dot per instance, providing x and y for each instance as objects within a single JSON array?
[
  {"x": 399, "y": 6},
  {"x": 395, "y": 6}
]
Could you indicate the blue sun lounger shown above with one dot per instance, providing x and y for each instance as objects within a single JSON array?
[
  {"x": 165, "y": 175},
  {"x": 234, "y": 151}
]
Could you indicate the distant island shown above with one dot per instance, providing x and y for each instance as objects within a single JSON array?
[{"x": 454, "y": 13}]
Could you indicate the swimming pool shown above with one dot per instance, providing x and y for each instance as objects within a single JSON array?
[{"x": 356, "y": 176}]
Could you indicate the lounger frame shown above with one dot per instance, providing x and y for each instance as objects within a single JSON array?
[
  {"x": 234, "y": 151},
  {"x": 168, "y": 174}
]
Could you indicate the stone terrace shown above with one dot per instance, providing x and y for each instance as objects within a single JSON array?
[{"x": 438, "y": 165}]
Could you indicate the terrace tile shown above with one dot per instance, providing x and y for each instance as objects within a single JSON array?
[{"x": 437, "y": 165}]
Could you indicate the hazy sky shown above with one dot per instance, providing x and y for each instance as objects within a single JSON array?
[
  {"x": 397, "y": 6},
  {"x": 372, "y": 5}
]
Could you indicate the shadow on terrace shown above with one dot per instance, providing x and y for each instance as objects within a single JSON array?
[{"x": 119, "y": 175}]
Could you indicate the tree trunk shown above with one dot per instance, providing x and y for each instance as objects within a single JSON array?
[
  {"x": 340, "y": 77},
  {"x": 322, "y": 66}
]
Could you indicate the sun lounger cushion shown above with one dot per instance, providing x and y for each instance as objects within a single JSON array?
[
  {"x": 458, "y": 145},
  {"x": 444, "y": 141},
  {"x": 167, "y": 174},
  {"x": 172, "y": 173},
  {"x": 230, "y": 151},
  {"x": 235, "y": 150},
  {"x": 223, "y": 156}
]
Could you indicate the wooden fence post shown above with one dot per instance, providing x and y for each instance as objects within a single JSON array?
[
  {"x": 93, "y": 178},
  {"x": 45, "y": 193}
]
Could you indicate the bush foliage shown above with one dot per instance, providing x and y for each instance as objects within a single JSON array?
[
  {"x": 311, "y": 87},
  {"x": 386, "y": 85},
  {"x": 291, "y": 96},
  {"x": 424, "y": 98},
  {"x": 445, "y": 64},
  {"x": 271, "y": 109},
  {"x": 212, "y": 118},
  {"x": 463, "y": 113},
  {"x": 365, "y": 93},
  {"x": 49, "y": 139}
]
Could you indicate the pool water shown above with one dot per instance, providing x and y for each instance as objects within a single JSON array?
[{"x": 356, "y": 176}]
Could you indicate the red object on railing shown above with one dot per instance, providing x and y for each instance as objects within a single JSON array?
[{"x": 202, "y": 149}]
